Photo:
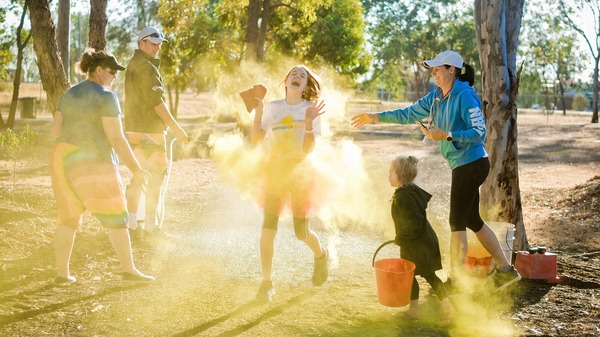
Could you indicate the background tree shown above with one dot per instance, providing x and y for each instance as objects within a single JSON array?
[
  {"x": 548, "y": 47},
  {"x": 578, "y": 8},
  {"x": 51, "y": 69},
  {"x": 403, "y": 34},
  {"x": 98, "y": 20},
  {"x": 260, "y": 14},
  {"x": 335, "y": 38},
  {"x": 63, "y": 36},
  {"x": 22, "y": 42},
  {"x": 190, "y": 28},
  {"x": 6, "y": 40},
  {"x": 498, "y": 25}
]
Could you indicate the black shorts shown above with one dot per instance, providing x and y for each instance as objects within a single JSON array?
[{"x": 464, "y": 195}]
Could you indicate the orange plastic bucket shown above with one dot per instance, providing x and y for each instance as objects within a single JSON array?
[
  {"x": 478, "y": 261},
  {"x": 394, "y": 279}
]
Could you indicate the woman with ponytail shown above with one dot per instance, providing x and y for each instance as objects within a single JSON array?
[
  {"x": 84, "y": 164},
  {"x": 455, "y": 121}
]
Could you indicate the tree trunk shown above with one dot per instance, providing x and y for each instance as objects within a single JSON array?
[
  {"x": 498, "y": 24},
  {"x": 252, "y": 30},
  {"x": 98, "y": 21},
  {"x": 51, "y": 69},
  {"x": 563, "y": 101},
  {"x": 63, "y": 29},
  {"x": 21, "y": 44},
  {"x": 262, "y": 32},
  {"x": 595, "y": 99}
]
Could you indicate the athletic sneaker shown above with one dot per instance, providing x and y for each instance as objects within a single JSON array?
[
  {"x": 503, "y": 279},
  {"x": 321, "y": 272},
  {"x": 265, "y": 292},
  {"x": 451, "y": 288}
]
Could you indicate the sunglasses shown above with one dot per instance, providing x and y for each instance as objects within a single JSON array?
[
  {"x": 111, "y": 71},
  {"x": 152, "y": 35}
]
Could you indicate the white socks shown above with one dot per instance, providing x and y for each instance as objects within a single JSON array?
[{"x": 132, "y": 223}]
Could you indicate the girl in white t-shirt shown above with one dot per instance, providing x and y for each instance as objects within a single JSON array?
[{"x": 287, "y": 128}]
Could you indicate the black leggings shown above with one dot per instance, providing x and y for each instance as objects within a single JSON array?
[
  {"x": 464, "y": 195},
  {"x": 434, "y": 281}
]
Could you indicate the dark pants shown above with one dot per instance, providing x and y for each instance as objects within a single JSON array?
[
  {"x": 434, "y": 281},
  {"x": 464, "y": 195}
]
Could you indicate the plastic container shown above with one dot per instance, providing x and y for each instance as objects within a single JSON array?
[
  {"x": 537, "y": 266},
  {"x": 394, "y": 279},
  {"x": 478, "y": 261},
  {"x": 505, "y": 232}
]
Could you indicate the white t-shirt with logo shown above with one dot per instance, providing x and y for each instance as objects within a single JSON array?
[{"x": 284, "y": 125}]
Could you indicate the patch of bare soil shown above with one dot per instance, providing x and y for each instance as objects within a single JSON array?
[{"x": 207, "y": 277}]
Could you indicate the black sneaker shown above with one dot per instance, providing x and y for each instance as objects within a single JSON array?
[
  {"x": 503, "y": 279},
  {"x": 265, "y": 292},
  {"x": 320, "y": 271},
  {"x": 451, "y": 288}
]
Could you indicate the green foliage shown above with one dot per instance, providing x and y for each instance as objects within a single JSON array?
[
  {"x": 403, "y": 34},
  {"x": 337, "y": 37},
  {"x": 193, "y": 30},
  {"x": 11, "y": 143},
  {"x": 580, "y": 102},
  {"x": 548, "y": 46},
  {"x": 7, "y": 38}
]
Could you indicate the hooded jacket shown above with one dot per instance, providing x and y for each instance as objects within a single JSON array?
[
  {"x": 414, "y": 234},
  {"x": 459, "y": 112}
]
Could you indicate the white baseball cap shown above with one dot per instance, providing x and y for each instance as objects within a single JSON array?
[
  {"x": 151, "y": 34},
  {"x": 448, "y": 57}
]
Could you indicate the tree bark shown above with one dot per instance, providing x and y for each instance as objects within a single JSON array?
[
  {"x": 498, "y": 25},
  {"x": 596, "y": 87},
  {"x": 98, "y": 21},
  {"x": 51, "y": 69},
  {"x": 252, "y": 30},
  {"x": 262, "y": 31},
  {"x": 63, "y": 29}
]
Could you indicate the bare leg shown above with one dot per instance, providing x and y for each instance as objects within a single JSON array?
[
  {"x": 489, "y": 241},
  {"x": 267, "y": 240},
  {"x": 133, "y": 193},
  {"x": 458, "y": 253},
  {"x": 312, "y": 241},
  {"x": 153, "y": 197},
  {"x": 119, "y": 238},
  {"x": 134, "y": 190},
  {"x": 64, "y": 239},
  {"x": 413, "y": 309}
]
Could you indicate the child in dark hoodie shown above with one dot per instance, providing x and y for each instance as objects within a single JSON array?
[{"x": 414, "y": 233}]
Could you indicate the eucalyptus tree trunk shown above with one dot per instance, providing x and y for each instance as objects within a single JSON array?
[
  {"x": 258, "y": 11},
  {"x": 51, "y": 68},
  {"x": 498, "y": 24},
  {"x": 98, "y": 21},
  {"x": 63, "y": 29},
  {"x": 252, "y": 29}
]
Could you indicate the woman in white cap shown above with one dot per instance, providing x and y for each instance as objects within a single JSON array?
[
  {"x": 84, "y": 164},
  {"x": 455, "y": 120}
]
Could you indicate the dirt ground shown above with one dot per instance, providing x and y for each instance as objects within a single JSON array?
[{"x": 207, "y": 277}]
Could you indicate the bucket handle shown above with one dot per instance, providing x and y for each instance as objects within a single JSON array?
[{"x": 379, "y": 248}]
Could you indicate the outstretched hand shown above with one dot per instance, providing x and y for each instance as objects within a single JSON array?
[
  {"x": 313, "y": 112},
  {"x": 363, "y": 119}
]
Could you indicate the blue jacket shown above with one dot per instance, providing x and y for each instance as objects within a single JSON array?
[{"x": 459, "y": 112}]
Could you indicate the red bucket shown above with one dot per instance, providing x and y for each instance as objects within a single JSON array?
[{"x": 394, "y": 279}]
